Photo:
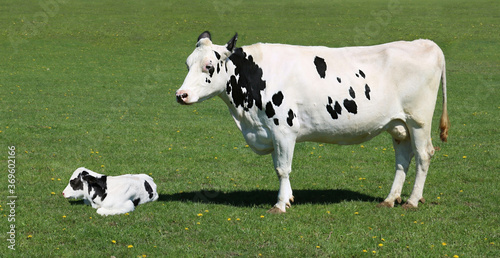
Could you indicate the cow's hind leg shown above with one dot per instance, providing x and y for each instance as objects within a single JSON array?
[
  {"x": 404, "y": 153},
  {"x": 423, "y": 149}
]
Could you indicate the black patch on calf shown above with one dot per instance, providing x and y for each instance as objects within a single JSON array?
[
  {"x": 362, "y": 74},
  {"x": 218, "y": 68},
  {"x": 320, "y": 66},
  {"x": 77, "y": 183},
  {"x": 98, "y": 185},
  {"x": 291, "y": 115},
  {"x": 148, "y": 188},
  {"x": 350, "y": 106},
  {"x": 352, "y": 93},
  {"x": 270, "y": 110},
  {"x": 367, "y": 91},
  {"x": 339, "y": 80},
  {"x": 250, "y": 79},
  {"x": 217, "y": 54},
  {"x": 136, "y": 201},
  {"x": 207, "y": 80},
  {"x": 278, "y": 98},
  {"x": 276, "y": 121}
]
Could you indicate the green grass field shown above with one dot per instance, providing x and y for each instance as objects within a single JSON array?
[{"x": 92, "y": 83}]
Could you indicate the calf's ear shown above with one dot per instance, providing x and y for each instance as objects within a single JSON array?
[{"x": 231, "y": 43}]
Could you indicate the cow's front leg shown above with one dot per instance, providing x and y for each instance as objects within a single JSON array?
[{"x": 282, "y": 157}]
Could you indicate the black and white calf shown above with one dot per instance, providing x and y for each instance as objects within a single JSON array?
[
  {"x": 110, "y": 195},
  {"x": 282, "y": 94}
]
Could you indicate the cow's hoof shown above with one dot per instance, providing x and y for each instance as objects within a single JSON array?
[
  {"x": 275, "y": 210},
  {"x": 408, "y": 205},
  {"x": 399, "y": 200},
  {"x": 385, "y": 204},
  {"x": 422, "y": 200}
]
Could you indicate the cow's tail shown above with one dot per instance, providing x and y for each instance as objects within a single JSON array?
[{"x": 444, "y": 123}]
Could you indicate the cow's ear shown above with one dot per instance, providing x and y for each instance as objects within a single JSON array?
[
  {"x": 205, "y": 34},
  {"x": 230, "y": 45}
]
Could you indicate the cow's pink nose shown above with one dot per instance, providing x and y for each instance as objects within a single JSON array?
[{"x": 182, "y": 97}]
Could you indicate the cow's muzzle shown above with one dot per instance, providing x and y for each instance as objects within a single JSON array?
[{"x": 182, "y": 97}]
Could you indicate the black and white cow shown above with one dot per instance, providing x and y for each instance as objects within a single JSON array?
[
  {"x": 281, "y": 94},
  {"x": 110, "y": 195}
]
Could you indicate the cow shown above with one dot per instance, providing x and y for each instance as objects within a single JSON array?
[
  {"x": 282, "y": 94},
  {"x": 110, "y": 195}
]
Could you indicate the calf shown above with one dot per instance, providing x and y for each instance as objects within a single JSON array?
[{"x": 110, "y": 195}]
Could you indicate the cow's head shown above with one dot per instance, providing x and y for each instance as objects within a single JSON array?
[
  {"x": 79, "y": 182},
  {"x": 207, "y": 75}
]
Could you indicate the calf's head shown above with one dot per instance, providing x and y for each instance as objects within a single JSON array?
[
  {"x": 207, "y": 70},
  {"x": 79, "y": 183}
]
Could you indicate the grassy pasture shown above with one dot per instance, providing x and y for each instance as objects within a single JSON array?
[{"x": 92, "y": 83}]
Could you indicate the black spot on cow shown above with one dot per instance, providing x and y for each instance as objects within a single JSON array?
[
  {"x": 211, "y": 70},
  {"x": 218, "y": 68},
  {"x": 149, "y": 189},
  {"x": 335, "y": 110},
  {"x": 217, "y": 55},
  {"x": 136, "y": 201},
  {"x": 207, "y": 80},
  {"x": 352, "y": 93},
  {"x": 367, "y": 91},
  {"x": 320, "y": 66},
  {"x": 278, "y": 98},
  {"x": 339, "y": 80},
  {"x": 249, "y": 78},
  {"x": 350, "y": 106},
  {"x": 290, "y": 118},
  {"x": 270, "y": 110},
  {"x": 276, "y": 121},
  {"x": 98, "y": 185},
  {"x": 362, "y": 74}
]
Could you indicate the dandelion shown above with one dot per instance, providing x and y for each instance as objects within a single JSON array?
[
  {"x": 382, "y": 239},
  {"x": 374, "y": 252},
  {"x": 113, "y": 241},
  {"x": 238, "y": 219},
  {"x": 318, "y": 246},
  {"x": 52, "y": 179},
  {"x": 262, "y": 216},
  {"x": 127, "y": 213},
  {"x": 380, "y": 244},
  {"x": 200, "y": 214},
  {"x": 365, "y": 251},
  {"x": 443, "y": 243},
  {"x": 64, "y": 216},
  {"x": 130, "y": 246},
  {"x": 464, "y": 157},
  {"x": 356, "y": 213},
  {"x": 30, "y": 236},
  {"x": 186, "y": 228},
  {"x": 228, "y": 219},
  {"x": 328, "y": 212},
  {"x": 455, "y": 256}
]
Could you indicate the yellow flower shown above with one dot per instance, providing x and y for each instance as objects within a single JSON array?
[
  {"x": 30, "y": 236},
  {"x": 443, "y": 243},
  {"x": 52, "y": 193},
  {"x": 356, "y": 213},
  {"x": 318, "y": 246},
  {"x": 262, "y": 216},
  {"x": 130, "y": 246},
  {"x": 380, "y": 245},
  {"x": 113, "y": 241},
  {"x": 228, "y": 219},
  {"x": 464, "y": 157},
  {"x": 200, "y": 214},
  {"x": 364, "y": 251},
  {"x": 64, "y": 216},
  {"x": 455, "y": 256}
]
